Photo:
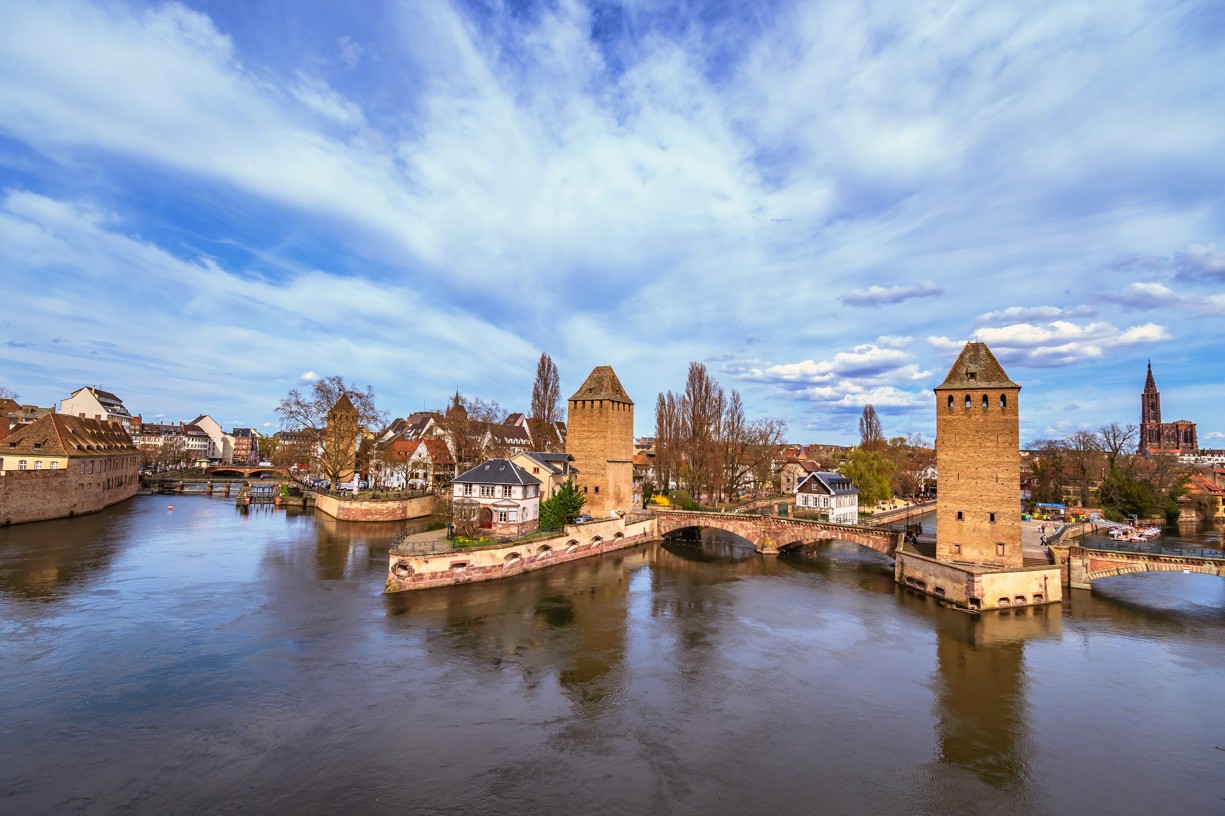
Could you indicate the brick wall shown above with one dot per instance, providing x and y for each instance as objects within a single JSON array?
[
  {"x": 979, "y": 462},
  {"x": 382, "y": 510},
  {"x": 600, "y": 437},
  {"x": 38, "y": 495}
]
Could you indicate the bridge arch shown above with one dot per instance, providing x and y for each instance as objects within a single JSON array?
[
  {"x": 758, "y": 528},
  {"x": 1133, "y": 567}
]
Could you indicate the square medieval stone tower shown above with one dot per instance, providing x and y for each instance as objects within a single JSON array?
[
  {"x": 978, "y": 463},
  {"x": 600, "y": 437}
]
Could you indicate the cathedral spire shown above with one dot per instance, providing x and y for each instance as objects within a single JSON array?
[{"x": 1149, "y": 384}]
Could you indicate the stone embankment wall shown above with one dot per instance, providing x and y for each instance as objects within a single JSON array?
[
  {"x": 380, "y": 510},
  {"x": 39, "y": 495},
  {"x": 407, "y": 572},
  {"x": 976, "y": 587}
]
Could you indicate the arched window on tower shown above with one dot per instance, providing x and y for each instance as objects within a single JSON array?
[
  {"x": 985, "y": 403},
  {"x": 1003, "y": 400},
  {"x": 950, "y": 400},
  {"x": 968, "y": 403}
]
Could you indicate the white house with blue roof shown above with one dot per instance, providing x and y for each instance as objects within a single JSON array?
[
  {"x": 830, "y": 494},
  {"x": 497, "y": 497}
]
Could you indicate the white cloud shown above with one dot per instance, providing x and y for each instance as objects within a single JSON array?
[
  {"x": 308, "y": 376},
  {"x": 1153, "y": 295},
  {"x": 1015, "y": 314},
  {"x": 350, "y": 52},
  {"x": 880, "y": 295},
  {"x": 1058, "y": 343},
  {"x": 1202, "y": 260}
]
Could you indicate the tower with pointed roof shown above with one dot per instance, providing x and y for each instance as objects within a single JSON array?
[
  {"x": 978, "y": 459},
  {"x": 1162, "y": 437},
  {"x": 339, "y": 459},
  {"x": 600, "y": 437}
]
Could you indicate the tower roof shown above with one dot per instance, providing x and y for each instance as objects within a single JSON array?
[
  {"x": 344, "y": 405},
  {"x": 602, "y": 384},
  {"x": 976, "y": 367},
  {"x": 1149, "y": 384}
]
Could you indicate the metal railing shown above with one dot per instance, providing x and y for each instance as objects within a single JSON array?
[{"x": 1136, "y": 547}]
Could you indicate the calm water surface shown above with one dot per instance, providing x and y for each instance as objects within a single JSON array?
[{"x": 204, "y": 661}]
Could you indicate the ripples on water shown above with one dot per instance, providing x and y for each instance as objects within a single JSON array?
[{"x": 204, "y": 661}]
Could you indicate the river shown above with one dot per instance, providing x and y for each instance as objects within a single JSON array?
[{"x": 203, "y": 660}]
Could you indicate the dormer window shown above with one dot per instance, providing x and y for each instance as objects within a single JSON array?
[{"x": 971, "y": 375}]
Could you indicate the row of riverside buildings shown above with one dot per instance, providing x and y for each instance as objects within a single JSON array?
[{"x": 88, "y": 454}]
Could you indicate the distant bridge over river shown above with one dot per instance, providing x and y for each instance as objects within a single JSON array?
[
  {"x": 770, "y": 534},
  {"x": 1090, "y": 560}
]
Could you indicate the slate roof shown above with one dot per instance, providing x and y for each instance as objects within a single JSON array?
[
  {"x": 832, "y": 484},
  {"x": 602, "y": 384},
  {"x": 67, "y": 435},
  {"x": 498, "y": 472},
  {"x": 976, "y": 367},
  {"x": 106, "y": 399}
]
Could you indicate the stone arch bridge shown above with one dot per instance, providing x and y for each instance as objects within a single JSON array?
[
  {"x": 1091, "y": 561},
  {"x": 771, "y": 534}
]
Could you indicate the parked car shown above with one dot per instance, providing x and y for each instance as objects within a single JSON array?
[{"x": 583, "y": 518}]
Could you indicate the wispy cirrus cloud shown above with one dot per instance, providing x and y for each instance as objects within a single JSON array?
[{"x": 885, "y": 295}]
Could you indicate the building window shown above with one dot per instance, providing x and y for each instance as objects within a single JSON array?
[
  {"x": 985, "y": 403},
  {"x": 21, "y": 464},
  {"x": 487, "y": 491},
  {"x": 597, "y": 488},
  {"x": 999, "y": 548},
  {"x": 467, "y": 490},
  {"x": 961, "y": 515},
  {"x": 956, "y": 549},
  {"x": 506, "y": 491},
  {"x": 950, "y": 400},
  {"x": 55, "y": 465},
  {"x": 1003, "y": 400},
  {"x": 991, "y": 517},
  {"x": 38, "y": 464},
  {"x": 967, "y": 400}
]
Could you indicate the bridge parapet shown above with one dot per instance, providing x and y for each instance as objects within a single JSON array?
[
  {"x": 769, "y": 532},
  {"x": 1090, "y": 561}
]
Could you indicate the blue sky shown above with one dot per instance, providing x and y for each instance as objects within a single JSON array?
[{"x": 203, "y": 205}]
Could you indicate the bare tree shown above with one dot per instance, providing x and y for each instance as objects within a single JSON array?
[
  {"x": 667, "y": 439},
  {"x": 1116, "y": 440},
  {"x": 702, "y": 409},
  {"x": 747, "y": 448},
  {"x": 1085, "y": 452},
  {"x": 309, "y": 412},
  {"x": 7, "y": 393},
  {"x": 465, "y": 426},
  {"x": 546, "y": 391},
  {"x": 871, "y": 437}
]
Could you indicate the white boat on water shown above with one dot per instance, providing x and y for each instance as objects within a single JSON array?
[{"x": 1134, "y": 535}]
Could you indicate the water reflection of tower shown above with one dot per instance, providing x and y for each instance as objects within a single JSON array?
[{"x": 983, "y": 724}]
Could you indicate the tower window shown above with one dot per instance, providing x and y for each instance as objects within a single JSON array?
[
  {"x": 597, "y": 488},
  {"x": 984, "y": 401},
  {"x": 1003, "y": 400},
  {"x": 999, "y": 548},
  {"x": 991, "y": 517},
  {"x": 950, "y": 400},
  {"x": 961, "y": 515},
  {"x": 967, "y": 400}
]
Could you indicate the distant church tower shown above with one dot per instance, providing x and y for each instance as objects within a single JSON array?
[
  {"x": 978, "y": 463},
  {"x": 600, "y": 437},
  {"x": 1162, "y": 437}
]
